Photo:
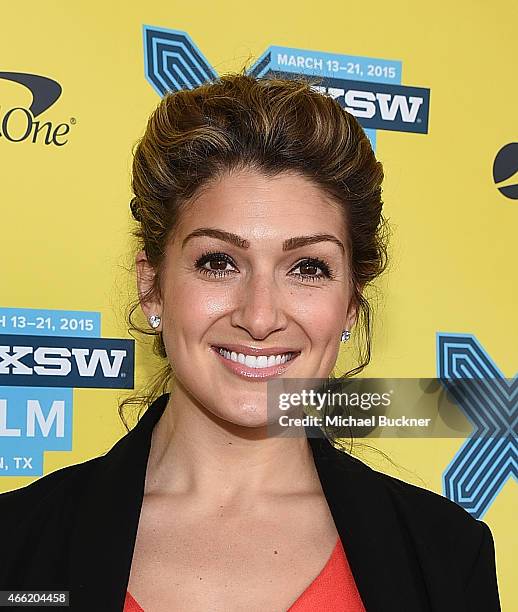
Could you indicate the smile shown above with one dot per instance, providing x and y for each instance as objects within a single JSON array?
[{"x": 255, "y": 366}]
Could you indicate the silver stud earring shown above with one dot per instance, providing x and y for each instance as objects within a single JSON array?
[
  {"x": 154, "y": 321},
  {"x": 346, "y": 334}
]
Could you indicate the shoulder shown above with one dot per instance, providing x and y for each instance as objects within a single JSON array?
[
  {"x": 441, "y": 529},
  {"x": 38, "y": 520},
  {"x": 430, "y": 510},
  {"x": 432, "y": 523},
  {"x": 421, "y": 501},
  {"x": 415, "y": 503},
  {"x": 55, "y": 490}
]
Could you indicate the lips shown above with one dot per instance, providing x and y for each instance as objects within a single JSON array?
[{"x": 265, "y": 363}]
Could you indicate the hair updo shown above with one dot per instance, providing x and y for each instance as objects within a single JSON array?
[{"x": 271, "y": 125}]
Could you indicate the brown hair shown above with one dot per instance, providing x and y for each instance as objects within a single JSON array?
[{"x": 268, "y": 124}]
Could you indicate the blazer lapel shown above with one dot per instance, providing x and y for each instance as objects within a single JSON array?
[
  {"x": 106, "y": 528},
  {"x": 382, "y": 561},
  {"x": 103, "y": 540}
]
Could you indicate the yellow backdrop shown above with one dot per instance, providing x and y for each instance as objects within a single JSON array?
[{"x": 65, "y": 149}]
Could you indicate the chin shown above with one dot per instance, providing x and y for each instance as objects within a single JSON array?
[{"x": 247, "y": 415}]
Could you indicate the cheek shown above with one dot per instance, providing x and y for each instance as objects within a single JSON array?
[
  {"x": 193, "y": 307},
  {"x": 320, "y": 314}
]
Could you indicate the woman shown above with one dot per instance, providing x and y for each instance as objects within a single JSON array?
[{"x": 260, "y": 223}]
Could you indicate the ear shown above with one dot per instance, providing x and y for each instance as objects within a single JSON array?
[
  {"x": 150, "y": 303},
  {"x": 352, "y": 316}
]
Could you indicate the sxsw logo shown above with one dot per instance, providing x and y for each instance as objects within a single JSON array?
[
  {"x": 44, "y": 355},
  {"x": 368, "y": 88},
  {"x": 386, "y": 107},
  {"x": 19, "y": 124},
  {"x": 49, "y": 361}
]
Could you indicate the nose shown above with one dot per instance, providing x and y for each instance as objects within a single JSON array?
[{"x": 260, "y": 306}]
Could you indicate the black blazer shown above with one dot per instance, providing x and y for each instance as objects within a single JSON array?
[{"x": 409, "y": 549}]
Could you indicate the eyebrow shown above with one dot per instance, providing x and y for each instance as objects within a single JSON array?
[{"x": 288, "y": 245}]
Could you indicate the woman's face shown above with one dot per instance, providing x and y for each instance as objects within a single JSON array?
[{"x": 257, "y": 270}]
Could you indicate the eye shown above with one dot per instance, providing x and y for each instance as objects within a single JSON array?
[
  {"x": 309, "y": 269},
  {"x": 217, "y": 264}
]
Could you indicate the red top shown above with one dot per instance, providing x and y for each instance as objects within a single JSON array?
[{"x": 333, "y": 590}]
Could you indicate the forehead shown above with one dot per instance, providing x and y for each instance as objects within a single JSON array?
[{"x": 255, "y": 206}]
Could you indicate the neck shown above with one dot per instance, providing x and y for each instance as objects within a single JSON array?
[{"x": 195, "y": 452}]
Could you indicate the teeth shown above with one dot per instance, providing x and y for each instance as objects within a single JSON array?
[{"x": 251, "y": 361}]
